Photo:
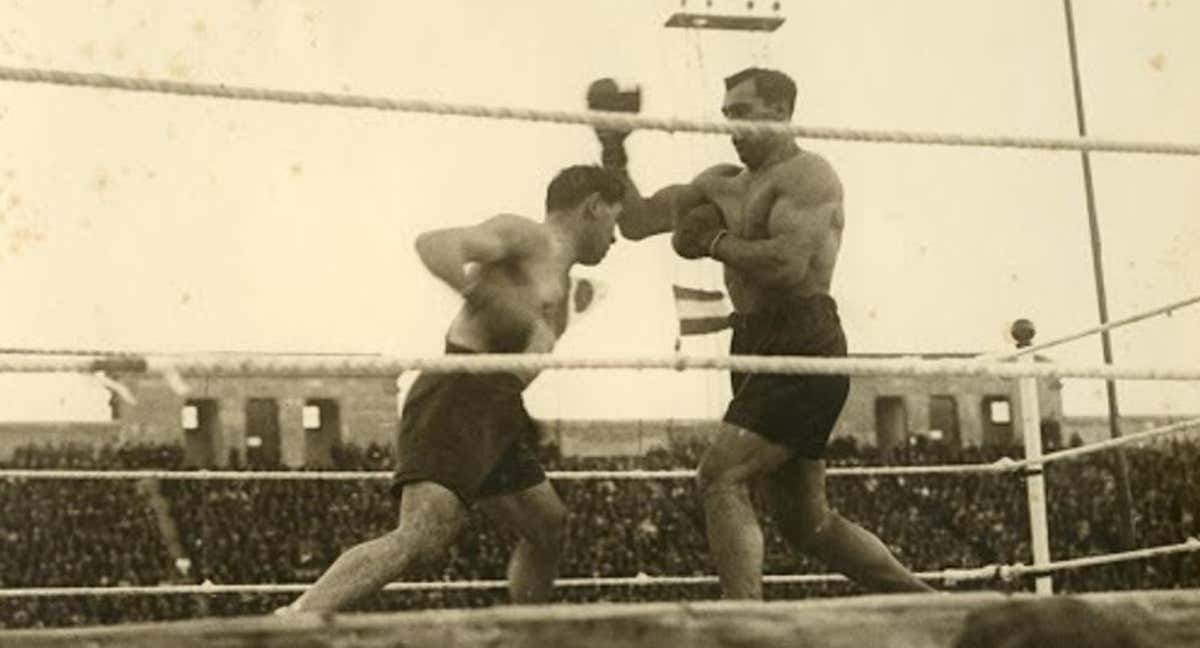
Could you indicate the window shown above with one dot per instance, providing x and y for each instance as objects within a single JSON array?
[
  {"x": 891, "y": 422},
  {"x": 311, "y": 416},
  {"x": 201, "y": 428},
  {"x": 198, "y": 414},
  {"x": 190, "y": 417},
  {"x": 943, "y": 418},
  {"x": 996, "y": 415},
  {"x": 999, "y": 411},
  {"x": 322, "y": 430},
  {"x": 263, "y": 442}
]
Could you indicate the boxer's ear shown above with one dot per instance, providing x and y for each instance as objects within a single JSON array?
[
  {"x": 778, "y": 111},
  {"x": 590, "y": 208}
]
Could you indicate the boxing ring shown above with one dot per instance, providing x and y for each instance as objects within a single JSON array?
[
  {"x": 909, "y": 620},
  {"x": 1167, "y": 618}
]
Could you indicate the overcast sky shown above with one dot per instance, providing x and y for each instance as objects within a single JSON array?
[{"x": 170, "y": 223}]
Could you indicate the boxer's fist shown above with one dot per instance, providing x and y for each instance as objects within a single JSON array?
[
  {"x": 695, "y": 230},
  {"x": 606, "y": 95}
]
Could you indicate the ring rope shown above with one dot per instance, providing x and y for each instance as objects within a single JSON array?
[
  {"x": 558, "y": 475},
  {"x": 988, "y": 572},
  {"x": 46, "y": 351},
  {"x": 1020, "y": 569},
  {"x": 1107, "y": 444},
  {"x": 137, "y": 353},
  {"x": 281, "y": 588},
  {"x": 1167, "y": 310},
  {"x": 597, "y": 119},
  {"x": 382, "y": 364},
  {"x": 1003, "y": 465}
]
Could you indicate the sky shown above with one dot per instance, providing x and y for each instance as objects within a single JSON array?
[{"x": 138, "y": 221}]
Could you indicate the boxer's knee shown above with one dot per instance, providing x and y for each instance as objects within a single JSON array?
[
  {"x": 431, "y": 519},
  {"x": 812, "y": 533},
  {"x": 549, "y": 532},
  {"x": 737, "y": 459},
  {"x": 715, "y": 480},
  {"x": 807, "y": 526}
]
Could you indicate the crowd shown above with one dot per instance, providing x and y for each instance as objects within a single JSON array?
[
  {"x": 81, "y": 532},
  {"x": 75, "y": 455},
  {"x": 59, "y": 532}
]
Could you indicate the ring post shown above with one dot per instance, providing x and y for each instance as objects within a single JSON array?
[{"x": 1035, "y": 483}]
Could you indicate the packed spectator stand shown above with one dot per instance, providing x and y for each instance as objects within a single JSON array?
[{"x": 149, "y": 532}]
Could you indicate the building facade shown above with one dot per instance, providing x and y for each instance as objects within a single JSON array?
[
  {"x": 297, "y": 421},
  {"x": 886, "y": 411},
  {"x": 880, "y": 411},
  {"x": 277, "y": 420}
]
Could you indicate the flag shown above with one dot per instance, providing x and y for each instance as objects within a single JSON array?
[
  {"x": 701, "y": 311},
  {"x": 586, "y": 293},
  {"x": 115, "y": 387}
]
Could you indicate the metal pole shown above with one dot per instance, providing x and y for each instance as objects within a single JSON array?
[
  {"x": 1128, "y": 533},
  {"x": 1035, "y": 480}
]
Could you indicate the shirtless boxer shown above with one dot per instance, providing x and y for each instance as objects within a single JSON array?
[
  {"x": 776, "y": 226},
  {"x": 466, "y": 438}
]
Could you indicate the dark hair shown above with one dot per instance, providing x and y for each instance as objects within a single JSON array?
[
  {"x": 575, "y": 183},
  {"x": 772, "y": 85}
]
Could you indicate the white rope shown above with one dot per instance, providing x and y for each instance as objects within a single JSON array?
[
  {"x": 987, "y": 572},
  {"x": 36, "y": 351},
  {"x": 387, "y": 365},
  {"x": 642, "y": 580},
  {"x": 136, "y": 354},
  {"x": 599, "y": 119},
  {"x": 1107, "y": 444},
  {"x": 1005, "y": 465},
  {"x": 1162, "y": 310},
  {"x": 1020, "y": 569}
]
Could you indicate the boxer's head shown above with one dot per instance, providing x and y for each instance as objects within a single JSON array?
[
  {"x": 758, "y": 94},
  {"x": 589, "y": 200}
]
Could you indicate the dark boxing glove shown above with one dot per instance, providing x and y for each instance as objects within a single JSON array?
[
  {"x": 697, "y": 231},
  {"x": 605, "y": 95}
]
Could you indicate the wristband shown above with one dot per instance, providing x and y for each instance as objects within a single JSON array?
[
  {"x": 712, "y": 245},
  {"x": 613, "y": 156}
]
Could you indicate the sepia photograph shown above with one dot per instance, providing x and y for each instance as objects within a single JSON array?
[{"x": 600, "y": 323}]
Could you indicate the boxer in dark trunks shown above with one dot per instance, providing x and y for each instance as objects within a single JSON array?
[
  {"x": 776, "y": 226},
  {"x": 466, "y": 439}
]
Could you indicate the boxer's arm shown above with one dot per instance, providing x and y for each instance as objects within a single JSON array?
[
  {"x": 799, "y": 224},
  {"x": 642, "y": 217},
  {"x": 446, "y": 252}
]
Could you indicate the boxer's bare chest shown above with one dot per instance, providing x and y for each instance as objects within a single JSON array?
[
  {"x": 745, "y": 201},
  {"x": 544, "y": 284}
]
